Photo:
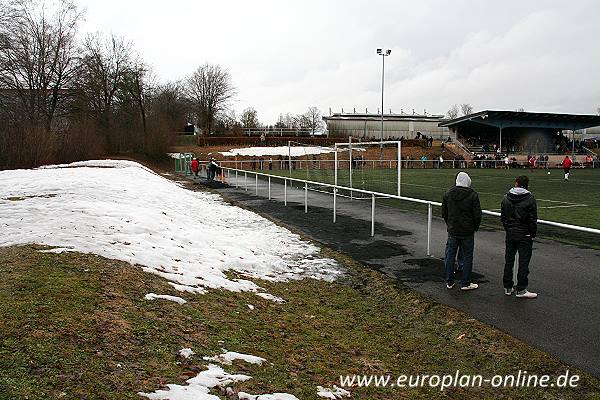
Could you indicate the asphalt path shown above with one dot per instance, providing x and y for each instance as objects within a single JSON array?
[{"x": 564, "y": 320}]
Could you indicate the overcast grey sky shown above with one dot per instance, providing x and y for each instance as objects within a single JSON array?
[{"x": 285, "y": 56}]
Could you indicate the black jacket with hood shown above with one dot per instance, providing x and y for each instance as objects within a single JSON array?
[
  {"x": 461, "y": 208},
  {"x": 519, "y": 214}
]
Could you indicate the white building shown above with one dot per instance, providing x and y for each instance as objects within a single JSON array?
[{"x": 395, "y": 126}]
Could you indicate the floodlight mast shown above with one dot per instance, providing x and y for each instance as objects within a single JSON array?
[{"x": 383, "y": 55}]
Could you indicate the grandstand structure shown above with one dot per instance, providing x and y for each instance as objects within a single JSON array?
[
  {"x": 518, "y": 132},
  {"x": 367, "y": 126}
]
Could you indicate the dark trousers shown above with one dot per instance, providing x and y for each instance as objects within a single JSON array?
[
  {"x": 466, "y": 244},
  {"x": 524, "y": 247}
]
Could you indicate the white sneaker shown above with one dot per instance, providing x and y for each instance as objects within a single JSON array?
[
  {"x": 449, "y": 285},
  {"x": 472, "y": 286},
  {"x": 526, "y": 294},
  {"x": 509, "y": 292}
]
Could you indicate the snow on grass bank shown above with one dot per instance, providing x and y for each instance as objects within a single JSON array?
[
  {"x": 153, "y": 296},
  {"x": 296, "y": 151},
  {"x": 228, "y": 357},
  {"x": 122, "y": 210},
  {"x": 332, "y": 393},
  {"x": 217, "y": 379}
]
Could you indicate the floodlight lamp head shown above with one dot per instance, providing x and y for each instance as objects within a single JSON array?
[
  {"x": 378, "y": 51},
  {"x": 388, "y": 52}
]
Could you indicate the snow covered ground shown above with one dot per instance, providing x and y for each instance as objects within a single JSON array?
[
  {"x": 153, "y": 296},
  {"x": 216, "y": 379},
  {"x": 228, "y": 357},
  {"x": 122, "y": 210},
  {"x": 296, "y": 151}
]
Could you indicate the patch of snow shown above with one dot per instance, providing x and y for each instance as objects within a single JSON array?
[
  {"x": 186, "y": 353},
  {"x": 229, "y": 356},
  {"x": 333, "y": 394},
  {"x": 124, "y": 211},
  {"x": 274, "y": 396},
  {"x": 198, "y": 388},
  {"x": 296, "y": 151},
  {"x": 57, "y": 250},
  {"x": 268, "y": 296},
  {"x": 250, "y": 306},
  {"x": 153, "y": 296}
]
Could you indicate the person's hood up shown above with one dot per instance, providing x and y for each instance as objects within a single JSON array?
[
  {"x": 518, "y": 194},
  {"x": 463, "y": 180}
]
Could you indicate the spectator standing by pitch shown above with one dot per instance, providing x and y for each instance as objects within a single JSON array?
[
  {"x": 532, "y": 163},
  {"x": 462, "y": 212},
  {"x": 567, "y": 164},
  {"x": 519, "y": 218},
  {"x": 195, "y": 167},
  {"x": 211, "y": 170}
]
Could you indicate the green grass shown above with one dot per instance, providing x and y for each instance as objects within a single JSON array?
[
  {"x": 576, "y": 202},
  {"x": 76, "y": 326}
]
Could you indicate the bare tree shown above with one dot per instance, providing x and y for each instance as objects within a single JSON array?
[
  {"x": 598, "y": 110},
  {"x": 38, "y": 58},
  {"x": 466, "y": 109},
  {"x": 211, "y": 91},
  {"x": 38, "y": 65},
  {"x": 312, "y": 120},
  {"x": 452, "y": 112},
  {"x": 249, "y": 118},
  {"x": 137, "y": 81},
  {"x": 105, "y": 63},
  {"x": 286, "y": 120}
]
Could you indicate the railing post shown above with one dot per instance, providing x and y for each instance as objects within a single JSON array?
[
  {"x": 305, "y": 197},
  {"x": 269, "y": 188},
  {"x": 285, "y": 192},
  {"x": 334, "y": 204},
  {"x": 236, "y": 179},
  {"x": 429, "y": 218},
  {"x": 246, "y": 181},
  {"x": 372, "y": 215},
  {"x": 256, "y": 184}
]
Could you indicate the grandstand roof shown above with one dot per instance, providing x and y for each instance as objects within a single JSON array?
[
  {"x": 386, "y": 117},
  {"x": 506, "y": 119}
]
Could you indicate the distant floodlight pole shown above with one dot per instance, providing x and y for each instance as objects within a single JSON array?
[{"x": 383, "y": 55}]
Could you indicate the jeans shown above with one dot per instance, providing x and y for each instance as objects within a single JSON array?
[
  {"x": 466, "y": 244},
  {"x": 524, "y": 247}
]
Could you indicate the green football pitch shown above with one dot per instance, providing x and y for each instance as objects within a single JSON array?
[{"x": 575, "y": 202}]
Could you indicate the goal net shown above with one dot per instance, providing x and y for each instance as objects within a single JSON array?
[{"x": 372, "y": 166}]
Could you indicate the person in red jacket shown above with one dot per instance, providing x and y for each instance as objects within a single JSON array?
[
  {"x": 532, "y": 161},
  {"x": 195, "y": 167},
  {"x": 567, "y": 164}
]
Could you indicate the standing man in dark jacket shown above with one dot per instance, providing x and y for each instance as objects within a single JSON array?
[
  {"x": 462, "y": 212},
  {"x": 519, "y": 218}
]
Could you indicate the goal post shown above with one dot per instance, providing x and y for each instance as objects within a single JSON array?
[{"x": 372, "y": 166}]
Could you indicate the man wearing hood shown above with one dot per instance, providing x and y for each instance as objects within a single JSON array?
[
  {"x": 462, "y": 212},
  {"x": 519, "y": 218}
]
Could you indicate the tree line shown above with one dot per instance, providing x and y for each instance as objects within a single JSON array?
[
  {"x": 311, "y": 120},
  {"x": 63, "y": 98}
]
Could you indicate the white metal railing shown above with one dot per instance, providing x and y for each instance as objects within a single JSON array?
[
  {"x": 335, "y": 188},
  {"x": 277, "y": 164}
]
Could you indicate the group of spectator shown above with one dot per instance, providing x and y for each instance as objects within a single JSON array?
[
  {"x": 461, "y": 211},
  {"x": 213, "y": 169}
]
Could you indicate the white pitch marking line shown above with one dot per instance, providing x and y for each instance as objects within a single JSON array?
[
  {"x": 496, "y": 194},
  {"x": 548, "y": 207}
]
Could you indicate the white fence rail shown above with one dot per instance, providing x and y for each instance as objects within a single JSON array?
[{"x": 227, "y": 176}]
